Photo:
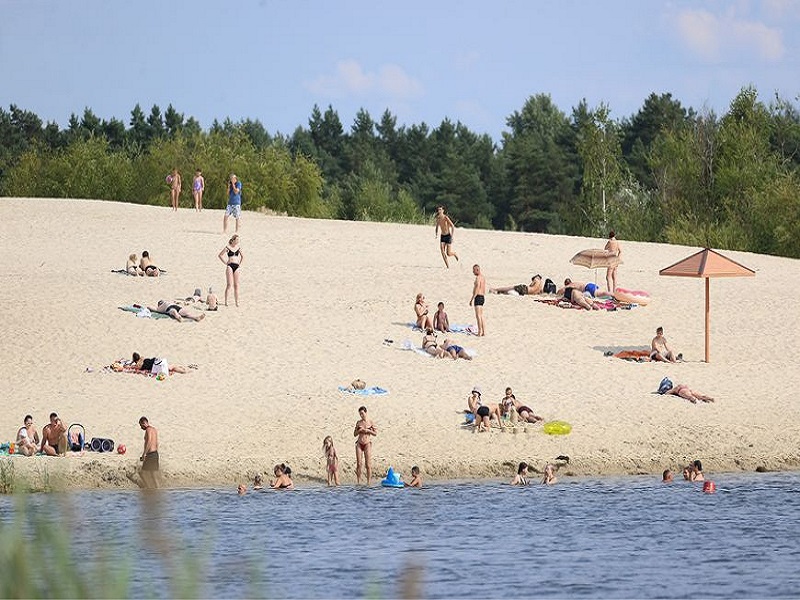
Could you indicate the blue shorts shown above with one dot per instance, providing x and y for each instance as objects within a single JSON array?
[
  {"x": 592, "y": 288},
  {"x": 234, "y": 210}
]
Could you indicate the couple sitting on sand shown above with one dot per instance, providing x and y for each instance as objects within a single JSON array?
[
  {"x": 144, "y": 267},
  {"x": 447, "y": 348},
  {"x": 483, "y": 412}
]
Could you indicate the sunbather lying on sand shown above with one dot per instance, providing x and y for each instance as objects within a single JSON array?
[
  {"x": 146, "y": 364},
  {"x": 536, "y": 286},
  {"x": 454, "y": 350},
  {"x": 431, "y": 345},
  {"x": 684, "y": 391},
  {"x": 179, "y": 313}
]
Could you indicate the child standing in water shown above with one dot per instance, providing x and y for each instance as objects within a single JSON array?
[{"x": 332, "y": 459}]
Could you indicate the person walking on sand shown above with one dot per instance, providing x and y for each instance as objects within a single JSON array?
[
  {"x": 175, "y": 188},
  {"x": 54, "y": 437},
  {"x": 613, "y": 248},
  {"x": 149, "y": 471},
  {"x": 445, "y": 225},
  {"x": 234, "y": 207},
  {"x": 364, "y": 431},
  {"x": 478, "y": 297},
  {"x": 332, "y": 461},
  {"x": 198, "y": 187},
  {"x": 232, "y": 256}
]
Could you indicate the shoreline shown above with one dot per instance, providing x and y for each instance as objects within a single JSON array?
[{"x": 319, "y": 299}]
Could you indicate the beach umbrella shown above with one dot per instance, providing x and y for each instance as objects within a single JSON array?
[
  {"x": 595, "y": 258},
  {"x": 707, "y": 264}
]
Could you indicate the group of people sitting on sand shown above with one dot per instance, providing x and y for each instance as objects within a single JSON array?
[
  {"x": 439, "y": 321},
  {"x": 509, "y": 409}
]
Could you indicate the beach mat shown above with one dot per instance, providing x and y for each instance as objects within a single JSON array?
[
  {"x": 124, "y": 272},
  {"x": 370, "y": 391},
  {"x": 634, "y": 355}
]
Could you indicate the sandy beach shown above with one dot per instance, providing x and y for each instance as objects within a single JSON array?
[{"x": 318, "y": 299}]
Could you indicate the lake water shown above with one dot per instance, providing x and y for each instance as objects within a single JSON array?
[{"x": 610, "y": 537}]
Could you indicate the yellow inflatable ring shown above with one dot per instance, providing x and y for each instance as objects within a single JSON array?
[{"x": 557, "y": 428}]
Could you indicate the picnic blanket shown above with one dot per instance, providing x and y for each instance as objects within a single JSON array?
[
  {"x": 143, "y": 312},
  {"x": 370, "y": 391}
]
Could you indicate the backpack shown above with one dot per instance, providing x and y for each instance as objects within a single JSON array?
[
  {"x": 549, "y": 286},
  {"x": 665, "y": 385}
]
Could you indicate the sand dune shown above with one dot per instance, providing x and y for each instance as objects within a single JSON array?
[{"x": 318, "y": 300}]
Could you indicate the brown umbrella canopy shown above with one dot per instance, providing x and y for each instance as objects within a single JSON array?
[
  {"x": 706, "y": 264},
  {"x": 595, "y": 258}
]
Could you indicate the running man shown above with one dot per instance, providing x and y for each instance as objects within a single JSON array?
[
  {"x": 150, "y": 467},
  {"x": 478, "y": 297},
  {"x": 364, "y": 431},
  {"x": 445, "y": 225}
]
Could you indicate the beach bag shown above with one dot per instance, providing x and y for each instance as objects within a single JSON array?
[
  {"x": 160, "y": 366},
  {"x": 665, "y": 385},
  {"x": 549, "y": 286}
]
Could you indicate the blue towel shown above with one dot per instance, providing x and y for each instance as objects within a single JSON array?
[
  {"x": 370, "y": 391},
  {"x": 468, "y": 329}
]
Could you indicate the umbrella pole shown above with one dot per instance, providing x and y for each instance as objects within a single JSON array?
[{"x": 708, "y": 318}]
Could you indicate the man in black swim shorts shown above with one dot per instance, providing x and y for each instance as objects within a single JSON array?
[
  {"x": 478, "y": 297},
  {"x": 447, "y": 228}
]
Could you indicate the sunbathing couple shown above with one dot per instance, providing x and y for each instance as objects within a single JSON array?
[
  {"x": 582, "y": 294},
  {"x": 439, "y": 321},
  {"x": 144, "y": 267},
  {"x": 509, "y": 406},
  {"x": 53, "y": 442},
  {"x": 446, "y": 349}
]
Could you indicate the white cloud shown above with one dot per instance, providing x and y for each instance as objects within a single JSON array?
[
  {"x": 349, "y": 79},
  {"x": 714, "y": 37}
]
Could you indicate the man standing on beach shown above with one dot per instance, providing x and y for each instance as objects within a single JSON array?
[
  {"x": 234, "y": 203},
  {"x": 478, "y": 297},
  {"x": 54, "y": 437},
  {"x": 445, "y": 225},
  {"x": 149, "y": 458}
]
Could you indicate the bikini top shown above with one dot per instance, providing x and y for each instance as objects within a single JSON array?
[{"x": 232, "y": 253}]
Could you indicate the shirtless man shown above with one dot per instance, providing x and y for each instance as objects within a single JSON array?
[
  {"x": 364, "y": 432},
  {"x": 27, "y": 438},
  {"x": 147, "y": 267},
  {"x": 613, "y": 248},
  {"x": 177, "y": 312},
  {"x": 445, "y": 225},
  {"x": 416, "y": 478},
  {"x": 536, "y": 286},
  {"x": 54, "y": 437},
  {"x": 575, "y": 296},
  {"x": 150, "y": 467},
  {"x": 478, "y": 297},
  {"x": 659, "y": 350},
  {"x": 440, "y": 320}
]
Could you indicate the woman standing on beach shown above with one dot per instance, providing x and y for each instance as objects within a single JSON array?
[
  {"x": 198, "y": 186},
  {"x": 612, "y": 247},
  {"x": 232, "y": 256},
  {"x": 175, "y": 188},
  {"x": 364, "y": 431}
]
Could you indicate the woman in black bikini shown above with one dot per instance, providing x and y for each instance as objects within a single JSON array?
[
  {"x": 232, "y": 256},
  {"x": 424, "y": 320},
  {"x": 283, "y": 478}
]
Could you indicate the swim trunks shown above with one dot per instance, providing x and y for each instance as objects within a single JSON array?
[
  {"x": 235, "y": 210},
  {"x": 447, "y": 238},
  {"x": 568, "y": 294},
  {"x": 521, "y": 289},
  {"x": 150, "y": 461},
  {"x": 483, "y": 411},
  {"x": 454, "y": 348},
  {"x": 479, "y": 300},
  {"x": 522, "y": 409},
  {"x": 171, "y": 306},
  {"x": 592, "y": 288}
]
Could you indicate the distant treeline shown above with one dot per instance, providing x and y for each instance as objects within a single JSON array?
[{"x": 667, "y": 173}]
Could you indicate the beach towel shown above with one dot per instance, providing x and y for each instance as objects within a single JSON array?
[
  {"x": 409, "y": 345},
  {"x": 143, "y": 312},
  {"x": 370, "y": 391},
  {"x": 634, "y": 355},
  {"x": 467, "y": 329},
  {"x": 124, "y": 272}
]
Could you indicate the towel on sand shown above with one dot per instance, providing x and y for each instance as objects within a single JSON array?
[
  {"x": 634, "y": 355},
  {"x": 142, "y": 311},
  {"x": 370, "y": 391}
]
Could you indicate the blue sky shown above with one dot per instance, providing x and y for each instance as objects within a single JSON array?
[{"x": 472, "y": 61}]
